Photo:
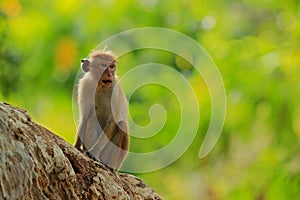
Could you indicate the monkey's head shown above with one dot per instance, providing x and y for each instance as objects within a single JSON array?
[{"x": 102, "y": 65}]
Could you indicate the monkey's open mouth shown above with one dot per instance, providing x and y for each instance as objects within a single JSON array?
[{"x": 106, "y": 81}]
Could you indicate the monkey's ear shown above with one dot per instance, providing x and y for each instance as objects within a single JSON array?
[{"x": 85, "y": 65}]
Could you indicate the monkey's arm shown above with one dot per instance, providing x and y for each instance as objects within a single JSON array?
[
  {"x": 80, "y": 134},
  {"x": 119, "y": 102},
  {"x": 88, "y": 130},
  {"x": 122, "y": 142}
]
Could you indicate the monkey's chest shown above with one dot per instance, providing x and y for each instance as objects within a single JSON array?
[{"x": 103, "y": 109}]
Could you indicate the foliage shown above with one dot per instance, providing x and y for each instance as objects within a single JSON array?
[{"x": 255, "y": 45}]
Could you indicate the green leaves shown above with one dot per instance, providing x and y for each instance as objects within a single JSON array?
[{"x": 255, "y": 45}]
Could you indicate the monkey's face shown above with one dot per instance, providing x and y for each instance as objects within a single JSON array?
[
  {"x": 108, "y": 75},
  {"x": 101, "y": 66}
]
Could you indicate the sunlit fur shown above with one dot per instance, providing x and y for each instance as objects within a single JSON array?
[{"x": 103, "y": 127}]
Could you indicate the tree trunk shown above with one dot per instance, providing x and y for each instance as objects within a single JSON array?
[{"x": 37, "y": 164}]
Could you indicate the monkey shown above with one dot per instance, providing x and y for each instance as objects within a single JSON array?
[{"x": 103, "y": 128}]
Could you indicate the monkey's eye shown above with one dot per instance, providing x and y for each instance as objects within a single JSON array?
[
  {"x": 112, "y": 66},
  {"x": 104, "y": 65}
]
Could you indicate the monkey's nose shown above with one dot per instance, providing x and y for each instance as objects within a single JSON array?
[{"x": 108, "y": 72}]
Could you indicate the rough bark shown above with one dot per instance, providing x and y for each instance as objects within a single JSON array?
[{"x": 37, "y": 164}]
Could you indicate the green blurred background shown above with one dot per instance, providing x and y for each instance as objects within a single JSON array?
[{"x": 255, "y": 44}]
